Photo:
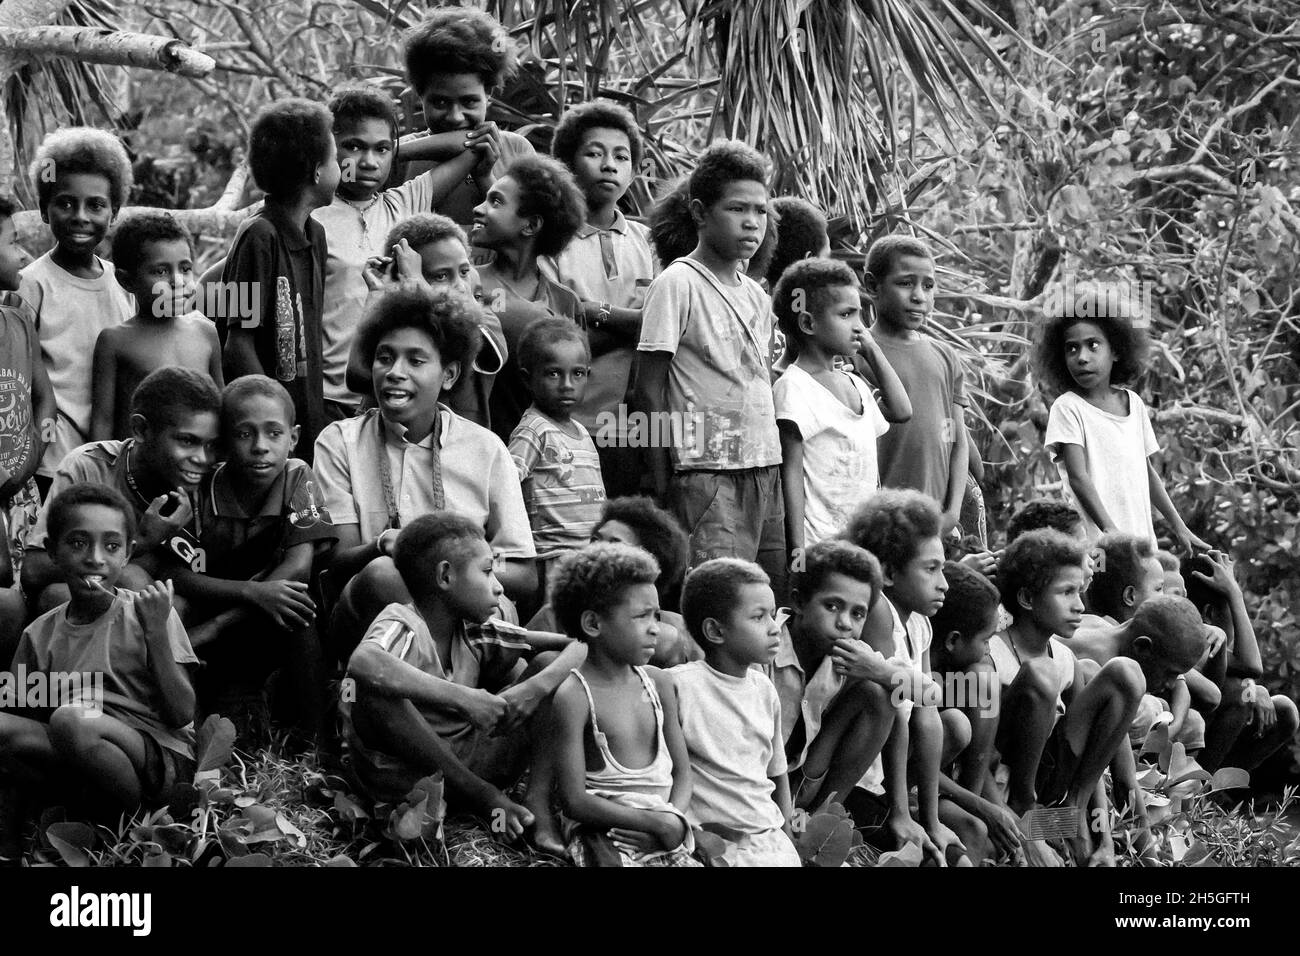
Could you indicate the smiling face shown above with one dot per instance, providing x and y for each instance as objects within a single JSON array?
[
  {"x": 837, "y": 610},
  {"x": 79, "y": 212},
  {"x": 92, "y": 550},
  {"x": 904, "y": 298},
  {"x": 919, "y": 586},
  {"x": 1058, "y": 608},
  {"x": 454, "y": 101},
  {"x": 602, "y": 165},
  {"x": 164, "y": 282},
  {"x": 259, "y": 438},
  {"x": 178, "y": 455},
  {"x": 1088, "y": 355},
  {"x": 409, "y": 378},
  {"x": 497, "y": 220},
  {"x": 365, "y": 157},
  {"x": 559, "y": 381},
  {"x": 734, "y": 226},
  {"x": 13, "y": 257},
  {"x": 628, "y": 632},
  {"x": 837, "y": 327}
]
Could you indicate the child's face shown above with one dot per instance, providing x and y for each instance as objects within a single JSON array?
[
  {"x": 1150, "y": 582},
  {"x": 837, "y": 326},
  {"x": 966, "y": 651},
  {"x": 473, "y": 590},
  {"x": 164, "y": 284},
  {"x": 446, "y": 263},
  {"x": 734, "y": 226},
  {"x": 602, "y": 165},
  {"x": 365, "y": 154},
  {"x": 13, "y": 257},
  {"x": 79, "y": 212},
  {"x": 497, "y": 221},
  {"x": 259, "y": 438},
  {"x": 616, "y": 532},
  {"x": 1088, "y": 355},
  {"x": 409, "y": 376},
  {"x": 559, "y": 381},
  {"x": 919, "y": 586},
  {"x": 629, "y": 631},
  {"x": 1160, "y": 670},
  {"x": 454, "y": 101},
  {"x": 836, "y": 611},
  {"x": 328, "y": 176},
  {"x": 1174, "y": 584},
  {"x": 750, "y": 633},
  {"x": 1058, "y": 608},
  {"x": 92, "y": 550},
  {"x": 178, "y": 455},
  {"x": 904, "y": 298}
]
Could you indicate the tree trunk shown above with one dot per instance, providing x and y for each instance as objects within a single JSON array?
[{"x": 95, "y": 45}]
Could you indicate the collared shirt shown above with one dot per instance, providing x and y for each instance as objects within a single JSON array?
[
  {"x": 20, "y": 350},
  {"x": 238, "y": 544},
  {"x": 800, "y": 696},
  {"x": 479, "y": 479}
]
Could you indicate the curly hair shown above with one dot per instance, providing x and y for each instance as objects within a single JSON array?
[
  {"x": 1120, "y": 566},
  {"x": 1128, "y": 342},
  {"x": 169, "y": 393},
  {"x": 1032, "y": 562},
  {"x": 597, "y": 114},
  {"x": 81, "y": 149},
  {"x": 970, "y": 604},
  {"x": 137, "y": 230},
  {"x": 835, "y": 556},
  {"x": 423, "y": 229},
  {"x": 1043, "y": 513},
  {"x": 883, "y": 252},
  {"x": 892, "y": 523},
  {"x": 810, "y": 280},
  {"x": 593, "y": 578},
  {"x": 1175, "y": 628},
  {"x": 85, "y": 493},
  {"x": 360, "y": 101},
  {"x": 541, "y": 334},
  {"x": 725, "y": 162},
  {"x": 672, "y": 230},
  {"x": 802, "y": 234},
  {"x": 247, "y": 386},
  {"x": 457, "y": 40},
  {"x": 657, "y": 531},
  {"x": 548, "y": 189},
  {"x": 289, "y": 139},
  {"x": 429, "y": 539},
  {"x": 448, "y": 317},
  {"x": 712, "y": 590}
]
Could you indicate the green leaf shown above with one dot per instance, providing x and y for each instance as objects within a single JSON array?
[
  {"x": 216, "y": 741},
  {"x": 72, "y": 841},
  {"x": 908, "y": 855},
  {"x": 340, "y": 860},
  {"x": 348, "y": 809},
  {"x": 253, "y": 859},
  {"x": 1229, "y": 778},
  {"x": 160, "y": 859}
]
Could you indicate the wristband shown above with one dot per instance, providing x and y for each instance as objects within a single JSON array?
[
  {"x": 379, "y": 541},
  {"x": 603, "y": 315}
]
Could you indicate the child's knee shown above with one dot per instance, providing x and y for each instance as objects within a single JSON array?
[
  {"x": 868, "y": 697},
  {"x": 1288, "y": 716},
  {"x": 1088, "y": 669},
  {"x": 1124, "y": 675},
  {"x": 71, "y": 729},
  {"x": 956, "y": 730},
  {"x": 1037, "y": 679}
]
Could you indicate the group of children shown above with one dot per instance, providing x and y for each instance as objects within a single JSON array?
[{"x": 440, "y": 385}]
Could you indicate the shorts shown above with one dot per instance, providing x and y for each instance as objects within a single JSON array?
[
  {"x": 1192, "y": 736},
  {"x": 1056, "y": 768},
  {"x": 164, "y": 769}
]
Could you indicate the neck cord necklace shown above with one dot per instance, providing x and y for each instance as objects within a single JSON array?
[{"x": 386, "y": 469}]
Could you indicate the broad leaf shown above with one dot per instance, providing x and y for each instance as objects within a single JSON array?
[{"x": 72, "y": 841}]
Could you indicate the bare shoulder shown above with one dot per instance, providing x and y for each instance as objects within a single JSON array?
[{"x": 570, "y": 702}]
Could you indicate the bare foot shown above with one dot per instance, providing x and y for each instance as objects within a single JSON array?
[{"x": 545, "y": 836}]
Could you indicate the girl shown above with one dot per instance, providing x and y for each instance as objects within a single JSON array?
[{"x": 1098, "y": 431}]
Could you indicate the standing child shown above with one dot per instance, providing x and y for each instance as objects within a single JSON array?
[
  {"x": 154, "y": 259},
  {"x": 609, "y": 264},
  {"x": 280, "y": 251},
  {"x": 624, "y": 773},
  {"x": 1098, "y": 432},
  {"x": 828, "y": 418},
  {"x": 82, "y": 177},
  {"x": 557, "y": 461},
  {"x": 928, "y": 453},
  {"x": 731, "y": 715}
]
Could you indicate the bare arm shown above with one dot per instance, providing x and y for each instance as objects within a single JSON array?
[
  {"x": 154, "y": 609},
  {"x": 894, "y": 403},
  {"x": 1081, "y": 486},
  {"x": 675, "y": 739},
  {"x": 241, "y": 354},
  {"x": 792, "y": 485},
  {"x": 958, "y": 468},
  {"x": 377, "y": 672},
  {"x": 214, "y": 355},
  {"x": 651, "y": 397},
  {"x": 1160, "y": 498},
  {"x": 103, "y": 377}
]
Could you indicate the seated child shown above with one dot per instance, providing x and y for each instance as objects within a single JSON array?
[
  {"x": 435, "y": 686},
  {"x": 82, "y": 178},
  {"x": 262, "y": 526},
  {"x": 127, "y": 734},
  {"x": 158, "y": 470},
  {"x": 623, "y": 771},
  {"x": 827, "y": 416},
  {"x": 731, "y": 715},
  {"x": 154, "y": 260},
  {"x": 557, "y": 461}
]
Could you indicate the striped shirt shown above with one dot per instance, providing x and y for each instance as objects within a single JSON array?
[{"x": 562, "y": 484}]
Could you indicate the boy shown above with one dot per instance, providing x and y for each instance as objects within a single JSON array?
[
  {"x": 432, "y": 680},
  {"x": 82, "y": 177},
  {"x": 929, "y": 452},
  {"x": 557, "y": 461},
  {"x": 704, "y": 365},
  {"x": 1040, "y": 513},
  {"x": 262, "y": 527},
  {"x": 609, "y": 264},
  {"x": 280, "y": 251},
  {"x": 129, "y": 735},
  {"x": 731, "y": 714},
  {"x": 456, "y": 58},
  {"x": 827, "y": 416},
  {"x": 154, "y": 262},
  {"x": 531, "y": 211},
  {"x": 174, "y": 423}
]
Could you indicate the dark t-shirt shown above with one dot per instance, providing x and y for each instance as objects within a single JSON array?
[{"x": 19, "y": 351}]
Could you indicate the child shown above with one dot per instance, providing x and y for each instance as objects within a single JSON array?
[
  {"x": 1169, "y": 563},
  {"x": 82, "y": 177},
  {"x": 674, "y": 233},
  {"x": 1040, "y": 513},
  {"x": 1098, "y": 432},
  {"x": 174, "y": 423},
  {"x": 609, "y": 264},
  {"x": 281, "y": 249},
  {"x": 411, "y": 455},
  {"x": 929, "y": 452},
  {"x": 803, "y": 235},
  {"x": 731, "y": 715},
  {"x": 704, "y": 365},
  {"x": 262, "y": 528},
  {"x": 435, "y": 708},
  {"x": 531, "y": 211},
  {"x": 624, "y": 774},
  {"x": 456, "y": 59},
  {"x": 154, "y": 260},
  {"x": 129, "y": 734},
  {"x": 828, "y": 418},
  {"x": 557, "y": 461},
  {"x": 357, "y": 220}
]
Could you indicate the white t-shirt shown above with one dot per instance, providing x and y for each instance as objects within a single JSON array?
[
  {"x": 911, "y": 640},
  {"x": 732, "y": 727},
  {"x": 840, "y": 467},
  {"x": 1115, "y": 449},
  {"x": 71, "y": 312}
]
